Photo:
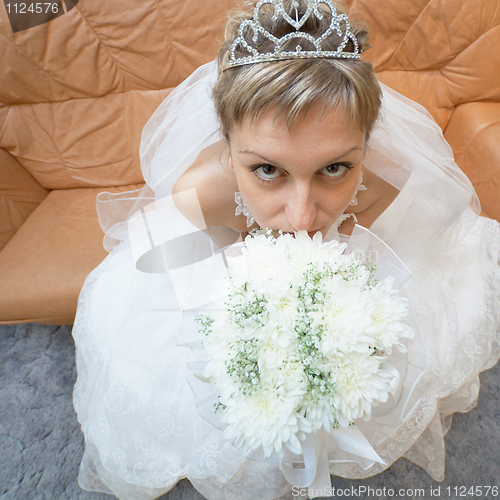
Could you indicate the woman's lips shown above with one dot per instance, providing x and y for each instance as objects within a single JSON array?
[{"x": 310, "y": 233}]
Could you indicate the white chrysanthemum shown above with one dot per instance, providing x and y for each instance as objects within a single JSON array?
[
  {"x": 267, "y": 418},
  {"x": 279, "y": 367},
  {"x": 281, "y": 318},
  {"x": 272, "y": 355},
  {"x": 240, "y": 266},
  {"x": 346, "y": 319},
  {"x": 304, "y": 250},
  {"x": 320, "y": 412},
  {"x": 360, "y": 383},
  {"x": 252, "y": 330},
  {"x": 270, "y": 270},
  {"x": 281, "y": 335},
  {"x": 388, "y": 317}
]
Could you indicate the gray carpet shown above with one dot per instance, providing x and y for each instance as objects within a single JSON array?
[{"x": 41, "y": 444}]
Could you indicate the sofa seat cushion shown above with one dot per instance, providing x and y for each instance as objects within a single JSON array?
[
  {"x": 44, "y": 265},
  {"x": 20, "y": 194}
]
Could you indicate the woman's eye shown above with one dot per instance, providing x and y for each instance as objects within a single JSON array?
[
  {"x": 267, "y": 172},
  {"x": 336, "y": 170}
]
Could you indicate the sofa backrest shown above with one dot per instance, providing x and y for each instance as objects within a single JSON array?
[
  {"x": 75, "y": 92},
  {"x": 440, "y": 53}
]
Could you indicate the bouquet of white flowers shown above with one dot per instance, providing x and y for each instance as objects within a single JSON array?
[{"x": 299, "y": 341}]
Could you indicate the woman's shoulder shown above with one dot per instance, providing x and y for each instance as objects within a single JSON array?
[{"x": 213, "y": 179}]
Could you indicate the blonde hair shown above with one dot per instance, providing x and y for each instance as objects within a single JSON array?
[{"x": 292, "y": 86}]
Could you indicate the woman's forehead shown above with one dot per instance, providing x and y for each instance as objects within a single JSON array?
[
  {"x": 311, "y": 127},
  {"x": 314, "y": 141}
]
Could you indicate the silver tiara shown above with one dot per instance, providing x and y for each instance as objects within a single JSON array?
[{"x": 339, "y": 24}]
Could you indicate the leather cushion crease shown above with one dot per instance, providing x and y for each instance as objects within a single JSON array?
[{"x": 76, "y": 91}]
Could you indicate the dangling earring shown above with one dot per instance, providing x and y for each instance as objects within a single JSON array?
[
  {"x": 353, "y": 202},
  {"x": 242, "y": 209},
  {"x": 360, "y": 187}
]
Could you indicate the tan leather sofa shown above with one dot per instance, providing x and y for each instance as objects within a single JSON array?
[{"x": 75, "y": 93}]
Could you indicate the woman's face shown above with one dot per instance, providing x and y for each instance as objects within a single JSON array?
[{"x": 302, "y": 178}]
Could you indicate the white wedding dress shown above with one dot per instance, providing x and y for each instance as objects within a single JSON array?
[{"x": 133, "y": 396}]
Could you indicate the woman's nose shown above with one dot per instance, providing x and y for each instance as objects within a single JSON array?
[{"x": 300, "y": 209}]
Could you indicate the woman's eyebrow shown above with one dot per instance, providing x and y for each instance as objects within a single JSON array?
[
  {"x": 345, "y": 153},
  {"x": 248, "y": 152}
]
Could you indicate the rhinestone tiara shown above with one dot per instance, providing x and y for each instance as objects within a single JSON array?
[{"x": 339, "y": 24}]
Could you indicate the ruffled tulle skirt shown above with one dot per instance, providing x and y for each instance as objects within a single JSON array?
[{"x": 137, "y": 409}]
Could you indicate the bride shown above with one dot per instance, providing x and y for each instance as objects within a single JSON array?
[{"x": 289, "y": 130}]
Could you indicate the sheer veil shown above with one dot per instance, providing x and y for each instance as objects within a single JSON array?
[
  {"x": 406, "y": 149},
  {"x": 426, "y": 227}
]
